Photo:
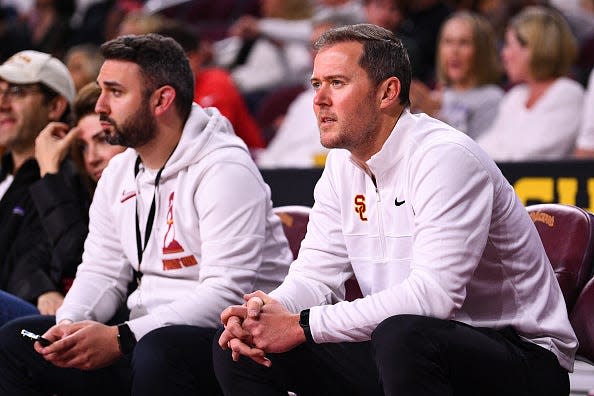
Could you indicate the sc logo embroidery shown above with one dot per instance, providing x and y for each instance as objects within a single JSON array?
[{"x": 360, "y": 206}]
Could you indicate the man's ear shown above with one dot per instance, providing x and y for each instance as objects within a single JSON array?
[
  {"x": 163, "y": 99},
  {"x": 389, "y": 90},
  {"x": 57, "y": 107}
]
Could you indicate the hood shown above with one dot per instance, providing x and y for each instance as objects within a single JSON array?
[{"x": 206, "y": 131}]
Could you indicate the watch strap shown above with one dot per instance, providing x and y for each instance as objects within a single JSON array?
[
  {"x": 304, "y": 323},
  {"x": 126, "y": 339}
]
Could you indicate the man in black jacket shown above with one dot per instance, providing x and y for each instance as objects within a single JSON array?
[{"x": 36, "y": 251}]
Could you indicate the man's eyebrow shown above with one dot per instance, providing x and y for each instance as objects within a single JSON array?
[
  {"x": 330, "y": 77},
  {"x": 110, "y": 84}
]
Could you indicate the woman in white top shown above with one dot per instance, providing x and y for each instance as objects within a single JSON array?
[
  {"x": 585, "y": 141},
  {"x": 538, "y": 118},
  {"x": 468, "y": 70}
]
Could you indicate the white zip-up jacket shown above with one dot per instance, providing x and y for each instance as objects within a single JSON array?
[
  {"x": 214, "y": 235},
  {"x": 441, "y": 233}
]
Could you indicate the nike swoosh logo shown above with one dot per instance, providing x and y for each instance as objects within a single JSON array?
[
  {"x": 398, "y": 203},
  {"x": 127, "y": 195}
]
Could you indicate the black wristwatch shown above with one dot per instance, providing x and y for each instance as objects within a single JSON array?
[
  {"x": 304, "y": 323},
  {"x": 126, "y": 339}
]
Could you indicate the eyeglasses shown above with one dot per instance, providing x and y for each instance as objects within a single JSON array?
[{"x": 18, "y": 91}]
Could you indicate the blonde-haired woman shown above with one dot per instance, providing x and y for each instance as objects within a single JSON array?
[
  {"x": 468, "y": 71},
  {"x": 539, "y": 117}
]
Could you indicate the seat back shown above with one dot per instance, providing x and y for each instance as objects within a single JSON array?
[
  {"x": 582, "y": 321},
  {"x": 294, "y": 219},
  {"x": 567, "y": 233}
]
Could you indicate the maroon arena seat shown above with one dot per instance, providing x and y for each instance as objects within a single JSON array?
[{"x": 567, "y": 233}]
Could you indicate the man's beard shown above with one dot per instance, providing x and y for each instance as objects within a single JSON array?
[{"x": 135, "y": 131}]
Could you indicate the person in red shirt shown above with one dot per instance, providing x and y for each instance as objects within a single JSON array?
[{"x": 214, "y": 87}]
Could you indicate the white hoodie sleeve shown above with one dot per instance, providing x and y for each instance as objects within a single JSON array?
[{"x": 102, "y": 278}]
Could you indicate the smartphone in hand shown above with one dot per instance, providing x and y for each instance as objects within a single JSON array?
[{"x": 35, "y": 337}]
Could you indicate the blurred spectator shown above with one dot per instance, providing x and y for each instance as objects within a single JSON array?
[
  {"x": 214, "y": 87},
  {"x": 297, "y": 142},
  {"x": 423, "y": 22},
  {"x": 89, "y": 22},
  {"x": 140, "y": 22},
  {"x": 117, "y": 13},
  {"x": 585, "y": 141},
  {"x": 467, "y": 72},
  {"x": 538, "y": 119},
  {"x": 14, "y": 36},
  {"x": 301, "y": 29},
  {"x": 498, "y": 13},
  {"x": 49, "y": 23},
  {"x": 20, "y": 7},
  {"x": 35, "y": 252},
  {"x": 580, "y": 16},
  {"x": 258, "y": 63},
  {"x": 83, "y": 62},
  {"x": 384, "y": 13},
  {"x": 390, "y": 14},
  {"x": 210, "y": 19}
]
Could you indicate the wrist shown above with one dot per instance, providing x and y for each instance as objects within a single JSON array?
[
  {"x": 45, "y": 169},
  {"x": 304, "y": 323},
  {"x": 126, "y": 339}
]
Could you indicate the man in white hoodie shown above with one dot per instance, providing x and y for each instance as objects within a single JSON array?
[{"x": 183, "y": 213}]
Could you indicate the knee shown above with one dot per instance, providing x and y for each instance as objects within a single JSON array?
[
  {"x": 10, "y": 332},
  {"x": 152, "y": 348},
  {"x": 401, "y": 335},
  {"x": 399, "y": 329}
]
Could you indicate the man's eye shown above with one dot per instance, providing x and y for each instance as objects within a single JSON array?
[{"x": 336, "y": 83}]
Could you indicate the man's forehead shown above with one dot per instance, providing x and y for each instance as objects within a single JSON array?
[
  {"x": 119, "y": 67},
  {"x": 338, "y": 58},
  {"x": 118, "y": 72},
  {"x": 341, "y": 52}
]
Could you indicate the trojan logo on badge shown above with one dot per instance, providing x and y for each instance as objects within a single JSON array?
[{"x": 360, "y": 206}]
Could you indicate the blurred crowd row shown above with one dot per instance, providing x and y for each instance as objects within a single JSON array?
[{"x": 514, "y": 75}]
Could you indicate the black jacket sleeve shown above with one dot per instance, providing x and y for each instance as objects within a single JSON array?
[
  {"x": 62, "y": 202},
  {"x": 25, "y": 268}
]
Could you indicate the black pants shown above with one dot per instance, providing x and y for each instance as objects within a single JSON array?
[
  {"x": 174, "y": 360},
  {"x": 407, "y": 355}
]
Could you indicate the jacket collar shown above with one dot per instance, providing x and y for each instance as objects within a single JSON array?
[{"x": 394, "y": 148}]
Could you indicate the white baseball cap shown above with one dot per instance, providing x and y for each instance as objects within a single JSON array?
[{"x": 29, "y": 67}]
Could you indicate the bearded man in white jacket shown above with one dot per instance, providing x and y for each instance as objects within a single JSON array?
[
  {"x": 183, "y": 213},
  {"x": 459, "y": 297}
]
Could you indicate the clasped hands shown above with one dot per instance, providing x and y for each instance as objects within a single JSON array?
[{"x": 260, "y": 326}]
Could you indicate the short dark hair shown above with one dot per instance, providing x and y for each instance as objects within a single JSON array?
[
  {"x": 162, "y": 61},
  {"x": 383, "y": 56}
]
